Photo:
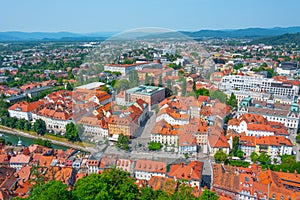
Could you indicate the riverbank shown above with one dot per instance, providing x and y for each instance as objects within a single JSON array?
[{"x": 27, "y": 135}]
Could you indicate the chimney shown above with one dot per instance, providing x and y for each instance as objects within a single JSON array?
[{"x": 182, "y": 164}]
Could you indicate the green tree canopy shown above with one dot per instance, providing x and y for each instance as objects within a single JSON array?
[
  {"x": 111, "y": 184},
  {"x": 53, "y": 190},
  {"x": 40, "y": 127},
  {"x": 264, "y": 158},
  {"x": 220, "y": 156},
  {"x": 208, "y": 195},
  {"x": 72, "y": 132},
  {"x": 254, "y": 157},
  {"x": 232, "y": 101},
  {"x": 217, "y": 94},
  {"x": 235, "y": 145},
  {"x": 183, "y": 87},
  {"x": 147, "y": 79},
  {"x": 123, "y": 142},
  {"x": 154, "y": 146},
  {"x": 298, "y": 138},
  {"x": 160, "y": 81},
  {"x": 122, "y": 84},
  {"x": 133, "y": 79}
]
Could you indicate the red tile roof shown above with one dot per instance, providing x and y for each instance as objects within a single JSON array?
[
  {"x": 191, "y": 171},
  {"x": 150, "y": 166}
]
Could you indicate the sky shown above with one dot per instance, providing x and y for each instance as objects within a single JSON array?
[{"x": 85, "y": 16}]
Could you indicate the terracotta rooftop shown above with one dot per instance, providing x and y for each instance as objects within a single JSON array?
[
  {"x": 150, "y": 166},
  {"x": 191, "y": 171}
]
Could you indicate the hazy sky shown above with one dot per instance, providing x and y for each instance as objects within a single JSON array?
[{"x": 118, "y": 15}]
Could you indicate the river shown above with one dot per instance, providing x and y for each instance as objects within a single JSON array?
[{"x": 26, "y": 141}]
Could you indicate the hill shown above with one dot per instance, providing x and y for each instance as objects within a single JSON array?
[
  {"x": 248, "y": 33},
  {"x": 279, "y": 40},
  {"x": 29, "y": 36}
]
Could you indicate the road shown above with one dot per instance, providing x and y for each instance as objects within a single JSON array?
[
  {"x": 144, "y": 134},
  {"x": 296, "y": 148}
]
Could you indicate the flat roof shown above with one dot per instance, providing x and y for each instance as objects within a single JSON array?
[
  {"x": 145, "y": 90},
  {"x": 91, "y": 86}
]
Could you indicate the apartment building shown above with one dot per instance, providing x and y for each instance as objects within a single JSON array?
[
  {"x": 272, "y": 111},
  {"x": 125, "y": 69},
  {"x": 145, "y": 169},
  {"x": 23, "y": 110},
  {"x": 150, "y": 94},
  {"x": 258, "y": 84},
  {"x": 94, "y": 126},
  {"x": 257, "y": 125},
  {"x": 165, "y": 133}
]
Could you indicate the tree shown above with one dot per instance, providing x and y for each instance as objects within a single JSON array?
[
  {"x": 186, "y": 155},
  {"x": 220, "y": 156},
  {"x": 20, "y": 124},
  {"x": 240, "y": 154},
  {"x": 70, "y": 75},
  {"x": 202, "y": 92},
  {"x": 160, "y": 81},
  {"x": 154, "y": 146},
  {"x": 133, "y": 79},
  {"x": 152, "y": 81},
  {"x": 45, "y": 143},
  {"x": 113, "y": 83},
  {"x": 27, "y": 126},
  {"x": 69, "y": 87},
  {"x": 53, "y": 190},
  {"x": 40, "y": 127},
  {"x": 122, "y": 84},
  {"x": 122, "y": 142},
  {"x": 111, "y": 184},
  {"x": 254, "y": 157},
  {"x": 169, "y": 84},
  {"x": 194, "y": 86},
  {"x": 232, "y": 101},
  {"x": 264, "y": 159},
  {"x": 184, "y": 192},
  {"x": 218, "y": 95},
  {"x": 105, "y": 89},
  {"x": 208, "y": 195},
  {"x": 148, "y": 193},
  {"x": 298, "y": 138},
  {"x": 60, "y": 81},
  {"x": 147, "y": 79},
  {"x": 3, "y": 108},
  {"x": 235, "y": 145},
  {"x": 183, "y": 87},
  {"x": 2, "y": 141},
  {"x": 238, "y": 66},
  {"x": 72, "y": 132}
]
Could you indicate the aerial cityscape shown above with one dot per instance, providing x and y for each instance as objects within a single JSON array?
[{"x": 139, "y": 100}]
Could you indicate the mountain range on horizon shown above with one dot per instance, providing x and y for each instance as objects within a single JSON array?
[{"x": 247, "y": 33}]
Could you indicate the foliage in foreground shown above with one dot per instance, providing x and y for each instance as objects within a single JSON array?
[{"x": 111, "y": 184}]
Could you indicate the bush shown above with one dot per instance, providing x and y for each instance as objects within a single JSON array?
[
  {"x": 154, "y": 146},
  {"x": 239, "y": 163}
]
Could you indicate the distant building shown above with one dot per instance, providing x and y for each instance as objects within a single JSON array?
[
  {"x": 272, "y": 111},
  {"x": 124, "y": 69},
  {"x": 288, "y": 69},
  {"x": 255, "y": 84},
  {"x": 150, "y": 94},
  {"x": 91, "y": 86}
]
